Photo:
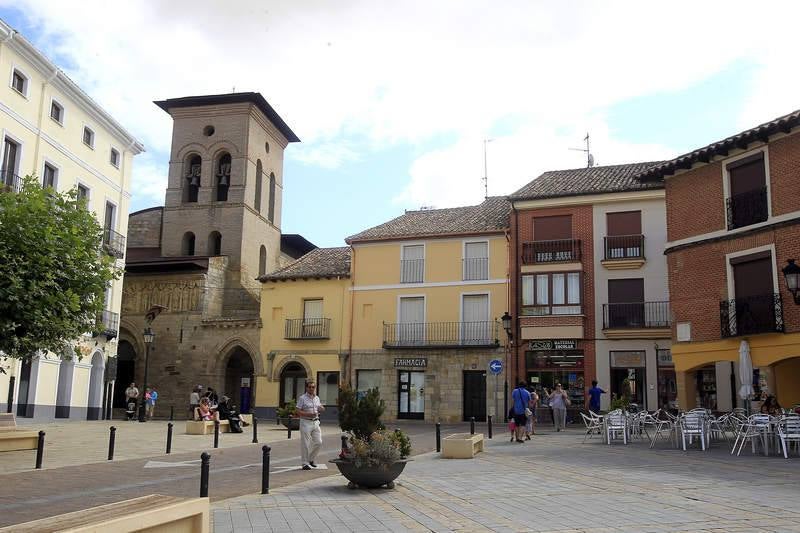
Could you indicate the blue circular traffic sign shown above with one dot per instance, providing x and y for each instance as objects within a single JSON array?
[{"x": 496, "y": 366}]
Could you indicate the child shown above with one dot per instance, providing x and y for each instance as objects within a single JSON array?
[{"x": 512, "y": 426}]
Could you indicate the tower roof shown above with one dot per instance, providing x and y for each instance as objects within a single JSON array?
[{"x": 231, "y": 98}]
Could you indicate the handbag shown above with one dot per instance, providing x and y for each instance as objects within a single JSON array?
[{"x": 528, "y": 411}]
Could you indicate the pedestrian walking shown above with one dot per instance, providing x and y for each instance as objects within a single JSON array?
[
  {"x": 308, "y": 409},
  {"x": 194, "y": 402},
  {"x": 531, "y": 415},
  {"x": 131, "y": 399},
  {"x": 594, "y": 397},
  {"x": 150, "y": 398},
  {"x": 559, "y": 402},
  {"x": 521, "y": 398}
]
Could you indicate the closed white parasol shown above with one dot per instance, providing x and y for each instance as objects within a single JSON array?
[{"x": 745, "y": 371}]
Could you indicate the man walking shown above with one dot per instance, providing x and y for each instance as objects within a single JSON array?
[
  {"x": 594, "y": 397},
  {"x": 521, "y": 398},
  {"x": 150, "y": 396},
  {"x": 308, "y": 409}
]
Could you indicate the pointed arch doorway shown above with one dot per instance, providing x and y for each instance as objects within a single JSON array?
[
  {"x": 293, "y": 382},
  {"x": 239, "y": 379}
]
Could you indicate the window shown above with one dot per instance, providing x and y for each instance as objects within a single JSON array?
[
  {"x": 312, "y": 319},
  {"x": 114, "y": 158},
  {"x": 412, "y": 264},
  {"x": 191, "y": 188},
  {"x": 215, "y": 243},
  {"x": 57, "y": 112},
  {"x": 624, "y": 235},
  {"x": 187, "y": 244},
  {"x": 271, "y": 207},
  {"x": 223, "y": 177},
  {"x": 551, "y": 294},
  {"x": 754, "y": 307},
  {"x": 83, "y": 192},
  {"x": 19, "y": 82},
  {"x": 411, "y": 322},
  {"x": 88, "y": 137},
  {"x": 476, "y": 260},
  {"x": 262, "y": 261},
  {"x": 328, "y": 387},
  {"x": 475, "y": 327},
  {"x": 259, "y": 180},
  {"x": 367, "y": 380},
  {"x": 8, "y": 174},
  {"x": 49, "y": 176},
  {"x": 747, "y": 203},
  {"x": 552, "y": 228},
  {"x": 626, "y": 308},
  {"x": 552, "y": 241}
]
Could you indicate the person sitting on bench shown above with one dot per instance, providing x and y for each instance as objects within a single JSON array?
[
  {"x": 204, "y": 411},
  {"x": 226, "y": 412}
]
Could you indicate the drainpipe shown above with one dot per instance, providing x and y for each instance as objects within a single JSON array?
[{"x": 352, "y": 315}]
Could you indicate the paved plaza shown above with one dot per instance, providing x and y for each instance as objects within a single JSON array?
[{"x": 553, "y": 483}]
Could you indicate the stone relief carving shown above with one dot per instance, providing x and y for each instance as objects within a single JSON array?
[{"x": 138, "y": 297}]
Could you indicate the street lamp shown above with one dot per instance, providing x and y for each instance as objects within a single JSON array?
[
  {"x": 506, "y": 319},
  {"x": 149, "y": 337},
  {"x": 791, "y": 273}
]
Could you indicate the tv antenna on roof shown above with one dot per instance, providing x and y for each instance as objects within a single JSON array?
[
  {"x": 485, "y": 170},
  {"x": 589, "y": 156}
]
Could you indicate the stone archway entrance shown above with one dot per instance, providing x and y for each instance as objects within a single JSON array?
[
  {"x": 126, "y": 371},
  {"x": 293, "y": 382},
  {"x": 239, "y": 379}
]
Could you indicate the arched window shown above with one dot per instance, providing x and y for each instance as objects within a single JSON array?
[
  {"x": 187, "y": 245},
  {"x": 271, "y": 212},
  {"x": 259, "y": 179},
  {"x": 222, "y": 177},
  {"x": 191, "y": 174},
  {"x": 214, "y": 243},
  {"x": 262, "y": 261}
]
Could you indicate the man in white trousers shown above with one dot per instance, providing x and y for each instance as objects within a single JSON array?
[{"x": 308, "y": 409}]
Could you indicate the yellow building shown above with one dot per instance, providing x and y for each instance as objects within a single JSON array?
[
  {"x": 305, "y": 310},
  {"x": 428, "y": 289},
  {"x": 53, "y": 130}
]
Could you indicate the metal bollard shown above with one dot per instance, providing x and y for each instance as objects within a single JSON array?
[
  {"x": 289, "y": 430},
  {"x": 489, "y": 425},
  {"x": 205, "y": 459},
  {"x": 169, "y": 437},
  {"x": 40, "y": 451},
  {"x": 255, "y": 430},
  {"x": 112, "y": 437},
  {"x": 472, "y": 425},
  {"x": 438, "y": 437},
  {"x": 344, "y": 443},
  {"x": 216, "y": 433},
  {"x": 265, "y": 469},
  {"x": 171, "y": 413}
]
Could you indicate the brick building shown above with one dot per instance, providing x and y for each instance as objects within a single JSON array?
[
  {"x": 200, "y": 254},
  {"x": 588, "y": 284},
  {"x": 733, "y": 220}
]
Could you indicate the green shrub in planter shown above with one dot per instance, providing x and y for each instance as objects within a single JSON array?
[{"x": 288, "y": 409}]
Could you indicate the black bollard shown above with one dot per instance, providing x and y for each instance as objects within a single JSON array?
[
  {"x": 438, "y": 437},
  {"x": 489, "y": 425},
  {"x": 255, "y": 430},
  {"x": 289, "y": 429},
  {"x": 171, "y": 413},
  {"x": 40, "y": 451},
  {"x": 112, "y": 437},
  {"x": 205, "y": 459},
  {"x": 472, "y": 425},
  {"x": 265, "y": 469},
  {"x": 344, "y": 443},
  {"x": 169, "y": 437},
  {"x": 216, "y": 433}
]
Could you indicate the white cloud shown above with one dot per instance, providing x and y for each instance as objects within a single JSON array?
[{"x": 411, "y": 71}]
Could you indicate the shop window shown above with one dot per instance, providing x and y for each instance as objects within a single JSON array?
[
  {"x": 667, "y": 383},
  {"x": 706, "y": 382},
  {"x": 551, "y": 294},
  {"x": 328, "y": 387},
  {"x": 367, "y": 380},
  {"x": 628, "y": 376}
]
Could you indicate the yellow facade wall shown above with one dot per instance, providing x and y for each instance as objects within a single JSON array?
[
  {"x": 80, "y": 385},
  {"x": 47, "y": 382},
  {"x": 787, "y": 382}
]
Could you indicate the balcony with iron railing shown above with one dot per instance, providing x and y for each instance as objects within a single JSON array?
[
  {"x": 113, "y": 243},
  {"x": 475, "y": 268},
  {"x": 750, "y": 315},
  {"x": 412, "y": 270},
  {"x": 747, "y": 208},
  {"x": 623, "y": 247},
  {"x": 433, "y": 335},
  {"x": 633, "y": 319},
  {"x": 307, "y": 328},
  {"x": 108, "y": 324},
  {"x": 9, "y": 182},
  {"x": 555, "y": 251}
]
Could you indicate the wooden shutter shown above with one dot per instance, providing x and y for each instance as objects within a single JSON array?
[
  {"x": 552, "y": 228},
  {"x": 624, "y": 223},
  {"x": 626, "y": 290},
  {"x": 747, "y": 174},
  {"x": 752, "y": 275}
]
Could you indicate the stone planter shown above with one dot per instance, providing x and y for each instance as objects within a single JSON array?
[
  {"x": 291, "y": 423},
  {"x": 370, "y": 477}
]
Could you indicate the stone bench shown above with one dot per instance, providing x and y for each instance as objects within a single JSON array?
[
  {"x": 13, "y": 439},
  {"x": 462, "y": 445},
  {"x": 206, "y": 427},
  {"x": 154, "y": 513}
]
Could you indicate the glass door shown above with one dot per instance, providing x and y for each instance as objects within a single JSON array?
[{"x": 411, "y": 395}]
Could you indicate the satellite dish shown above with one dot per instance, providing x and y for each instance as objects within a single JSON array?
[{"x": 591, "y": 160}]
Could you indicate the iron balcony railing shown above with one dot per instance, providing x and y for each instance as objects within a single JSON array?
[
  {"x": 624, "y": 247},
  {"x": 9, "y": 182},
  {"x": 412, "y": 270},
  {"x": 441, "y": 334},
  {"x": 114, "y": 243},
  {"x": 108, "y": 324},
  {"x": 747, "y": 208},
  {"x": 561, "y": 250},
  {"x": 636, "y": 315},
  {"x": 749, "y": 315},
  {"x": 475, "y": 268},
  {"x": 307, "y": 328}
]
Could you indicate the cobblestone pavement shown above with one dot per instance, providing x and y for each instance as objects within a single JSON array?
[{"x": 553, "y": 483}]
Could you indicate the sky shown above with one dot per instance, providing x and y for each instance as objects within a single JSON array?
[{"x": 393, "y": 100}]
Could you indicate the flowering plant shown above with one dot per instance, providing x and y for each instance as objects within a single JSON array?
[{"x": 381, "y": 449}]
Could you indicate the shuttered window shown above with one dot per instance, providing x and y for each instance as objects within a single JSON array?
[
  {"x": 552, "y": 228},
  {"x": 624, "y": 223}
]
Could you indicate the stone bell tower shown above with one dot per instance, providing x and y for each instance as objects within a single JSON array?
[{"x": 226, "y": 182}]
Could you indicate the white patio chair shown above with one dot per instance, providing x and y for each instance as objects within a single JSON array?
[
  {"x": 718, "y": 427},
  {"x": 665, "y": 424},
  {"x": 693, "y": 424},
  {"x": 789, "y": 433},
  {"x": 592, "y": 426},
  {"x": 616, "y": 422},
  {"x": 757, "y": 428}
]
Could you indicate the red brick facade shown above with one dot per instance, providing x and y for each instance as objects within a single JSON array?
[
  {"x": 695, "y": 202},
  {"x": 522, "y": 232}
]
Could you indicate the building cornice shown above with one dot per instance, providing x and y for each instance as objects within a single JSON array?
[{"x": 590, "y": 199}]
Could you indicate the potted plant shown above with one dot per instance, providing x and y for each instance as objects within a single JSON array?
[
  {"x": 286, "y": 415},
  {"x": 374, "y": 456}
]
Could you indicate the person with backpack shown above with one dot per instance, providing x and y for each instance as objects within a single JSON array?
[{"x": 521, "y": 398}]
